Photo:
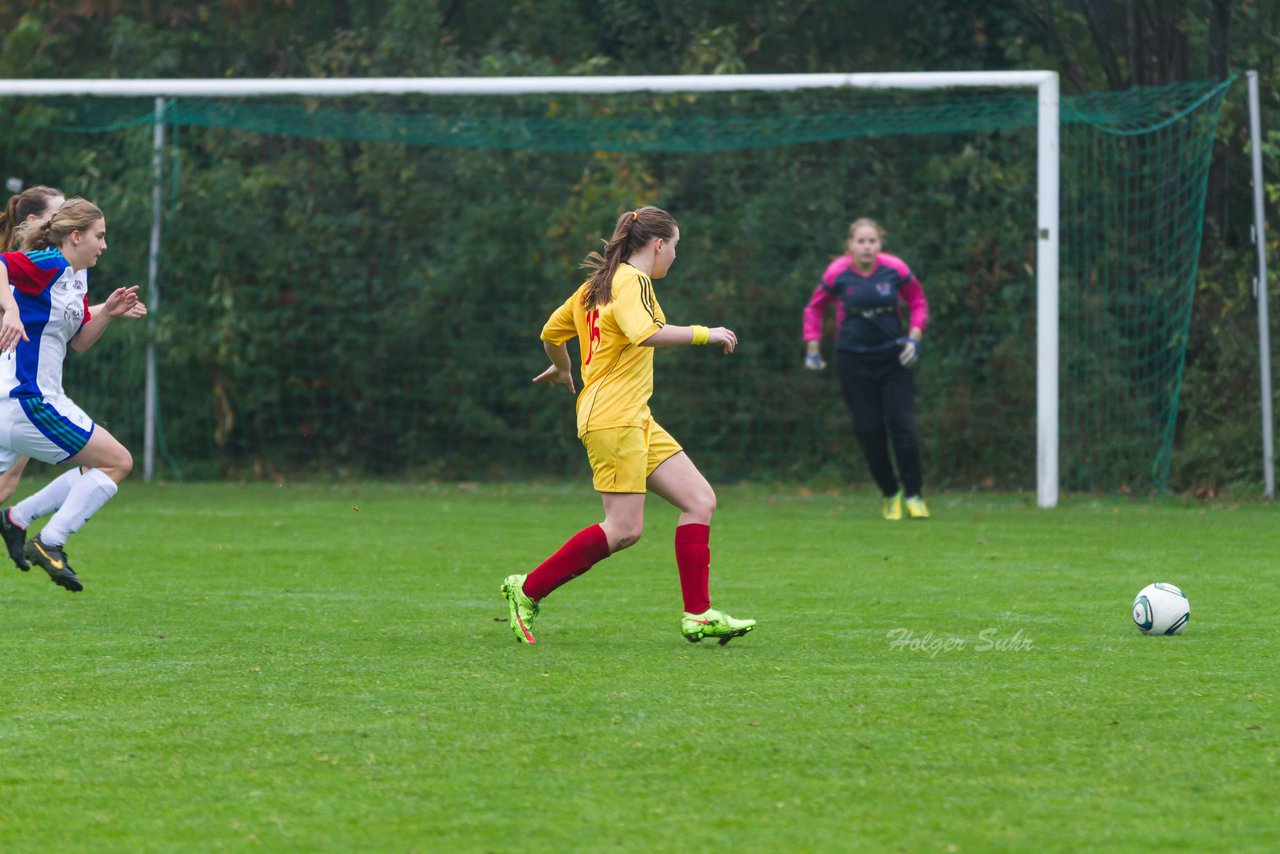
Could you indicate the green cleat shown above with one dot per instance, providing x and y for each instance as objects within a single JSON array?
[
  {"x": 893, "y": 507},
  {"x": 713, "y": 624},
  {"x": 916, "y": 508},
  {"x": 522, "y": 608}
]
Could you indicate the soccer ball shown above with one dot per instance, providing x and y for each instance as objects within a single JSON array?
[{"x": 1161, "y": 609}]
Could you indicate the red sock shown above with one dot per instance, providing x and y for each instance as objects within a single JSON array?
[
  {"x": 584, "y": 550},
  {"x": 693, "y": 559}
]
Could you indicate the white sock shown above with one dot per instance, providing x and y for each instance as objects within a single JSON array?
[
  {"x": 46, "y": 501},
  {"x": 85, "y": 498}
]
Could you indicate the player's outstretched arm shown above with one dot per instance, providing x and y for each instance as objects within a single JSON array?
[
  {"x": 561, "y": 370},
  {"x": 133, "y": 311},
  {"x": 123, "y": 302},
  {"x": 675, "y": 336}
]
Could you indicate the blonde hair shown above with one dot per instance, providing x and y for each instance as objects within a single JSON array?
[
  {"x": 32, "y": 201},
  {"x": 633, "y": 230},
  {"x": 866, "y": 221},
  {"x": 74, "y": 215}
]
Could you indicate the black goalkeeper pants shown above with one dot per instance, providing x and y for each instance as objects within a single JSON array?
[{"x": 881, "y": 396}]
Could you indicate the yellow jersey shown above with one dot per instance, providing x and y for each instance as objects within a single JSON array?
[{"x": 617, "y": 373}]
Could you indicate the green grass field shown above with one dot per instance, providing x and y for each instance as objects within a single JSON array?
[{"x": 273, "y": 668}]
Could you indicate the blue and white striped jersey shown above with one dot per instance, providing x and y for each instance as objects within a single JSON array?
[{"x": 53, "y": 302}]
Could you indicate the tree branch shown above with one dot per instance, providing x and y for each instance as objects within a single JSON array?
[{"x": 1106, "y": 55}]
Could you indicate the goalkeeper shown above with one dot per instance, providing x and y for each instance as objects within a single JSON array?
[{"x": 875, "y": 358}]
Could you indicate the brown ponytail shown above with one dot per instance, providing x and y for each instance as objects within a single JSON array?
[
  {"x": 74, "y": 215},
  {"x": 32, "y": 201},
  {"x": 633, "y": 230}
]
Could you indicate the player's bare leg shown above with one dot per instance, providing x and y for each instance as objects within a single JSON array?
[
  {"x": 623, "y": 519},
  {"x": 9, "y": 480},
  {"x": 678, "y": 481}
]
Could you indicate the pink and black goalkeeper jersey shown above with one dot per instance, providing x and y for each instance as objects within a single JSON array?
[{"x": 867, "y": 305}]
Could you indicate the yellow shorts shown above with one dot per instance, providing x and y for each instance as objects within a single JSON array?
[{"x": 622, "y": 458}]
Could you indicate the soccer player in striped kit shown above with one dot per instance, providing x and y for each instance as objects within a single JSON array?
[
  {"x": 874, "y": 359},
  {"x": 35, "y": 205},
  {"x": 49, "y": 295},
  {"x": 618, "y": 323},
  {"x": 31, "y": 209}
]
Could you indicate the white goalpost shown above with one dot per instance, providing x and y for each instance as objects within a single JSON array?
[{"x": 1045, "y": 84}]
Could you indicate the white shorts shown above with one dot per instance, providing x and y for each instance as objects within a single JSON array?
[{"x": 52, "y": 430}]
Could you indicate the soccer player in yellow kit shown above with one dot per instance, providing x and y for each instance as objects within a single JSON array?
[{"x": 618, "y": 323}]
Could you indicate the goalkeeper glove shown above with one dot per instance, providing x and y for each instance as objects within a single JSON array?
[
  {"x": 910, "y": 352},
  {"x": 813, "y": 361}
]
